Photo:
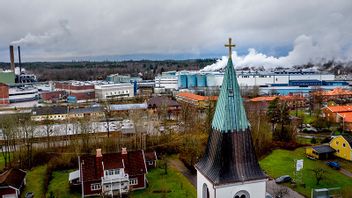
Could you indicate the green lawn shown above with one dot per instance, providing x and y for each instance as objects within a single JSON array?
[
  {"x": 35, "y": 181},
  {"x": 307, "y": 119},
  {"x": 59, "y": 185},
  {"x": 174, "y": 184},
  {"x": 281, "y": 162}
]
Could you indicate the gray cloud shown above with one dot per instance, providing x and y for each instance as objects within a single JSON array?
[{"x": 55, "y": 30}]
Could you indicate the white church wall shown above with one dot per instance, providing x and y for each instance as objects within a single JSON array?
[
  {"x": 203, "y": 180},
  {"x": 255, "y": 189}
]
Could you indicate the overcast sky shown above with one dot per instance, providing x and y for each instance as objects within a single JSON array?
[{"x": 299, "y": 30}]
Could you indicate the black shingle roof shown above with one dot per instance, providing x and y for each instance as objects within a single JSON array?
[
  {"x": 321, "y": 149},
  {"x": 49, "y": 110},
  {"x": 348, "y": 138},
  {"x": 230, "y": 158}
]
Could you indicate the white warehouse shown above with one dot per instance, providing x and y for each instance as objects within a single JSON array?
[{"x": 109, "y": 91}]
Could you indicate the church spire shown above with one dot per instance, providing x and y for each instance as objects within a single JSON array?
[
  {"x": 230, "y": 156},
  {"x": 230, "y": 115}
]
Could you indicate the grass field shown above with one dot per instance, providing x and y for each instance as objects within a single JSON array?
[
  {"x": 281, "y": 162},
  {"x": 172, "y": 185},
  {"x": 35, "y": 181},
  {"x": 307, "y": 119},
  {"x": 59, "y": 185}
]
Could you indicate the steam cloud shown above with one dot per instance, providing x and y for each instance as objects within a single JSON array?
[
  {"x": 52, "y": 36},
  {"x": 305, "y": 50}
]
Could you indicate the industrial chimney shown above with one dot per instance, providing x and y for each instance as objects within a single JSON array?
[
  {"x": 19, "y": 58},
  {"x": 12, "y": 59}
]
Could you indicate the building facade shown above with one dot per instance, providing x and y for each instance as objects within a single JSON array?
[
  {"x": 80, "y": 90},
  {"x": 110, "y": 91}
]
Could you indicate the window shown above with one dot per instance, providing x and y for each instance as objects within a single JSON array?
[
  {"x": 112, "y": 172},
  {"x": 133, "y": 181},
  {"x": 344, "y": 145},
  {"x": 242, "y": 194},
  {"x": 205, "y": 191},
  {"x": 337, "y": 142},
  {"x": 150, "y": 163},
  {"x": 95, "y": 186}
]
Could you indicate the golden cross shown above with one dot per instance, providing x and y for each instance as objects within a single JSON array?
[{"x": 230, "y": 45}]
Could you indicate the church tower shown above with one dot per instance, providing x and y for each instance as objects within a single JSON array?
[{"x": 229, "y": 167}]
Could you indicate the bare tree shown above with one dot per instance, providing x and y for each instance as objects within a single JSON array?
[
  {"x": 28, "y": 128},
  {"x": 138, "y": 118},
  {"x": 319, "y": 174}
]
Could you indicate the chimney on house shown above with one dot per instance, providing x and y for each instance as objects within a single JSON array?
[
  {"x": 98, "y": 153},
  {"x": 19, "y": 58},
  {"x": 124, "y": 151},
  {"x": 99, "y": 163},
  {"x": 12, "y": 58}
]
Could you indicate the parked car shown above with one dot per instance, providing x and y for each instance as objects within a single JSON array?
[
  {"x": 267, "y": 195},
  {"x": 283, "y": 179},
  {"x": 334, "y": 165},
  {"x": 29, "y": 195},
  {"x": 309, "y": 130}
]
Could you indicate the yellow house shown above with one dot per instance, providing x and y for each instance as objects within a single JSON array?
[{"x": 343, "y": 146}]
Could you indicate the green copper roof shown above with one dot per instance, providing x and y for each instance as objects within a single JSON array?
[{"x": 230, "y": 114}]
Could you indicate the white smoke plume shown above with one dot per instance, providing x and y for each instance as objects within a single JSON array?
[
  {"x": 305, "y": 50},
  {"x": 52, "y": 36}
]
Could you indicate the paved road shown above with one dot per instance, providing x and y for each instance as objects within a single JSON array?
[
  {"x": 346, "y": 172},
  {"x": 273, "y": 188}
]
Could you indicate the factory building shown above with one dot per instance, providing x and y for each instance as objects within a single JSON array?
[
  {"x": 110, "y": 91},
  {"x": 82, "y": 91},
  {"x": 20, "y": 93},
  {"x": 282, "y": 82},
  {"x": 165, "y": 83},
  {"x": 118, "y": 78}
]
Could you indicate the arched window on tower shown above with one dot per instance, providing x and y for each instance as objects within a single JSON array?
[
  {"x": 242, "y": 194},
  {"x": 205, "y": 193}
]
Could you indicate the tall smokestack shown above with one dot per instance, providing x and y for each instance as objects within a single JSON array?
[
  {"x": 19, "y": 58},
  {"x": 12, "y": 59}
]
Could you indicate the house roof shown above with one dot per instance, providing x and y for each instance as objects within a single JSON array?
[
  {"x": 321, "y": 149},
  {"x": 49, "y": 110},
  {"x": 193, "y": 96},
  {"x": 122, "y": 107},
  {"x": 337, "y": 109},
  {"x": 86, "y": 110},
  {"x": 334, "y": 92},
  {"x": 13, "y": 177},
  {"x": 73, "y": 175},
  {"x": 271, "y": 98},
  {"x": 159, "y": 101},
  {"x": 346, "y": 116},
  {"x": 348, "y": 138},
  {"x": 133, "y": 162}
]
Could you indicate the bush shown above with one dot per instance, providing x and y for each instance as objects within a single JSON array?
[{"x": 313, "y": 140}]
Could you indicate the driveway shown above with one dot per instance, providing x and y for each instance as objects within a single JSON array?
[{"x": 274, "y": 188}]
